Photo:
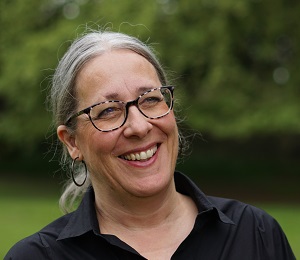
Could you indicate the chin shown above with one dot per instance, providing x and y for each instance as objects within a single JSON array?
[{"x": 151, "y": 186}]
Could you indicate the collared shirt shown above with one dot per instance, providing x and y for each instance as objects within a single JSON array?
[{"x": 224, "y": 229}]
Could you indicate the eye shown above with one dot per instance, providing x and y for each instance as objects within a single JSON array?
[
  {"x": 107, "y": 111},
  {"x": 149, "y": 101},
  {"x": 153, "y": 99}
]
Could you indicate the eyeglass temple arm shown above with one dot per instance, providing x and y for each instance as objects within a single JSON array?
[{"x": 84, "y": 111}]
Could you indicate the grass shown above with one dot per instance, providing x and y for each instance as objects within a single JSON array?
[
  {"x": 26, "y": 205},
  {"x": 26, "y": 208},
  {"x": 20, "y": 217}
]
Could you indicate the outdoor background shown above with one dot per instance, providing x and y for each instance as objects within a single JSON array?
[{"x": 235, "y": 65}]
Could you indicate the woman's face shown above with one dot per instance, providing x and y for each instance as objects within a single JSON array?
[{"x": 123, "y": 75}]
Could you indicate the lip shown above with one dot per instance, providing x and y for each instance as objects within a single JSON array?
[
  {"x": 141, "y": 156},
  {"x": 140, "y": 149}
]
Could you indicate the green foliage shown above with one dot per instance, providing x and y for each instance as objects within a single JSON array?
[
  {"x": 238, "y": 61},
  {"x": 235, "y": 62}
]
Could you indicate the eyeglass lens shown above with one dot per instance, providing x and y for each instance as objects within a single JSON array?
[{"x": 110, "y": 115}]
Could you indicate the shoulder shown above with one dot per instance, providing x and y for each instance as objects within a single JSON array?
[
  {"x": 256, "y": 225},
  {"x": 37, "y": 246},
  {"x": 239, "y": 211},
  {"x": 234, "y": 207},
  {"x": 31, "y": 247}
]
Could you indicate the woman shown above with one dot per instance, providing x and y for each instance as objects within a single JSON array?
[{"x": 113, "y": 109}]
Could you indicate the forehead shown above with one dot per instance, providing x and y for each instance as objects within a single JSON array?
[{"x": 115, "y": 74}]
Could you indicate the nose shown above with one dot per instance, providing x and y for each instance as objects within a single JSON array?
[{"x": 136, "y": 124}]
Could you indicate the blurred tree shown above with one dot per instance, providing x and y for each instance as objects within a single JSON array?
[{"x": 236, "y": 61}]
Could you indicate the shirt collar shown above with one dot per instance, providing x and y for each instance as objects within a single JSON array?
[
  {"x": 84, "y": 219},
  {"x": 186, "y": 186}
]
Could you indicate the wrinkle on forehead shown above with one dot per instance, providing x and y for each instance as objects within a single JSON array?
[{"x": 115, "y": 75}]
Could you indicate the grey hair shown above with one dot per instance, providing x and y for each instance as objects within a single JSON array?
[{"x": 63, "y": 101}]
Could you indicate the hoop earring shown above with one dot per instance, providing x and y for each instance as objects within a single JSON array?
[{"x": 72, "y": 172}]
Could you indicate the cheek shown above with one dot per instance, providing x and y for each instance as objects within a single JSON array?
[
  {"x": 169, "y": 127},
  {"x": 92, "y": 142},
  {"x": 97, "y": 153}
]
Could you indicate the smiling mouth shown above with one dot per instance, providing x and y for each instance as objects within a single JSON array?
[{"x": 144, "y": 155}]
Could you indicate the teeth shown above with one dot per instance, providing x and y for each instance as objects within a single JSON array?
[
  {"x": 149, "y": 153},
  {"x": 141, "y": 156}
]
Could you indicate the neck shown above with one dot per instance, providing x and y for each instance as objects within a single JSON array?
[{"x": 138, "y": 212}]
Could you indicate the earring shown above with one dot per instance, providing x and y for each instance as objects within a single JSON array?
[{"x": 72, "y": 172}]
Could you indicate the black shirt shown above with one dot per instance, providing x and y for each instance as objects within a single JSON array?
[{"x": 224, "y": 229}]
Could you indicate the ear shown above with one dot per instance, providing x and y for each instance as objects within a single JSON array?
[{"x": 69, "y": 140}]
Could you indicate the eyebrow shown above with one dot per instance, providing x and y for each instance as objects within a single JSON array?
[
  {"x": 144, "y": 89},
  {"x": 111, "y": 96},
  {"x": 115, "y": 95}
]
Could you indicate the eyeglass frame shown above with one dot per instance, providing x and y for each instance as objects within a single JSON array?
[{"x": 127, "y": 105}]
